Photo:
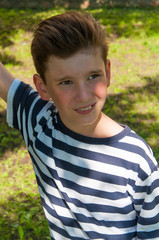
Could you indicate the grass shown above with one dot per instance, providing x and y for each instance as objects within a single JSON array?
[{"x": 132, "y": 99}]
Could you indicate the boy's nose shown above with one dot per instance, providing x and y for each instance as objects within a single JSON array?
[{"x": 82, "y": 93}]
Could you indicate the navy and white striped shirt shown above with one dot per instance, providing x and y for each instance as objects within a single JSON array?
[{"x": 91, "y": 188}]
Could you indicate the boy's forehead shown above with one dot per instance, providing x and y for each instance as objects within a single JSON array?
[
  {"x": 89, "y": 52},
  {"x": 82, "y": 63}
]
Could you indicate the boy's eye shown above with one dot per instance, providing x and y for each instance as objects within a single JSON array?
[
  {"x": 93, "y": 76},
  {"x": 65, "y": 82}
]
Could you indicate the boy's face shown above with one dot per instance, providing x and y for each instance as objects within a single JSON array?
[{"x": 78, "y": 87}]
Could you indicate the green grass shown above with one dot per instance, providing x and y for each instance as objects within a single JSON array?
[{"x": 132, "y": 99}]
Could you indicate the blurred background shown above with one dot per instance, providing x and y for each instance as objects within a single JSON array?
[{"x": 133, "y": 98}]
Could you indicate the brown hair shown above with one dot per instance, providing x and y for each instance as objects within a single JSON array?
[{"x": 64, "y": 35}]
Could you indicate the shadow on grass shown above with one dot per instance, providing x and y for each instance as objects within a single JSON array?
[
  {"x": 13, "y": 20},
  {"x": 6, "y": 59},
  {"x": 10, "y": 138},
  {"x": 122, "y": 22},
  {"x": 22, "y": 217},
  {"x": 127, "y": 22},
  {"x": 122, "y": 108}
]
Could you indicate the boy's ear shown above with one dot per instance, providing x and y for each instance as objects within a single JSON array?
[
  {"x": 41, "y": 87},
  {"x": 108, "y": 72}
]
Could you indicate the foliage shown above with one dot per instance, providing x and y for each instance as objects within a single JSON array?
[
  {"x": 129, "y": 22},
  {"x": 22, "y": 218},
  {"x": 132, "y": 99}
]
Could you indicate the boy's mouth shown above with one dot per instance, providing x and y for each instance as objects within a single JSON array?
[{"x": 86, "y": 109}]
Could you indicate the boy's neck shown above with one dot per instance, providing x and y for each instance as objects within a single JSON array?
[{"x": 105, "y": 127}]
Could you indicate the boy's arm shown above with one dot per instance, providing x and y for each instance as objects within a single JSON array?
[{"x": 6, "y": 80}]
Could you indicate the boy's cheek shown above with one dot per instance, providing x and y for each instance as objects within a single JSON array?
[
  {"x": 100, "y": 89},
  {"x": 61, "y": 99}
]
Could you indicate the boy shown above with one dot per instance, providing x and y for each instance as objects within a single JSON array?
[{"x": 97, "y": 179}]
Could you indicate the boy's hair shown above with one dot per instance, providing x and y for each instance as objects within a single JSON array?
[{"x": 64, "y": 35}]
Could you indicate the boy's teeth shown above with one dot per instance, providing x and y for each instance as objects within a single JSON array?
[{"x": 85, "y": 109}]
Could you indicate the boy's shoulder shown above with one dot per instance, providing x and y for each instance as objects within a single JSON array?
[{"x": 24, "y": 103}]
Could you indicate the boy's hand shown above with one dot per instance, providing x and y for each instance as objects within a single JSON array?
[{"x": 6, "y": 80}]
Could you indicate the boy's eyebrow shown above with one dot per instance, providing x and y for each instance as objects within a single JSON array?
[
  {"x": 96, "y": 71},
  {"x": 70, "y": 77},
  {"x": 62, "y": 78}
]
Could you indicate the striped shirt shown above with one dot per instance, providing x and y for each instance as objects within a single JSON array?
[{"x": 91, "y": 188}]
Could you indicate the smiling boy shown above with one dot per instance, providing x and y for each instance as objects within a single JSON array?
[
  {"x": 78, "y": 87},
  {"x": 97, "y": 178}
]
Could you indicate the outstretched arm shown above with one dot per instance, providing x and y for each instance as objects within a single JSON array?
[{"x": 6, "y": 80}]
